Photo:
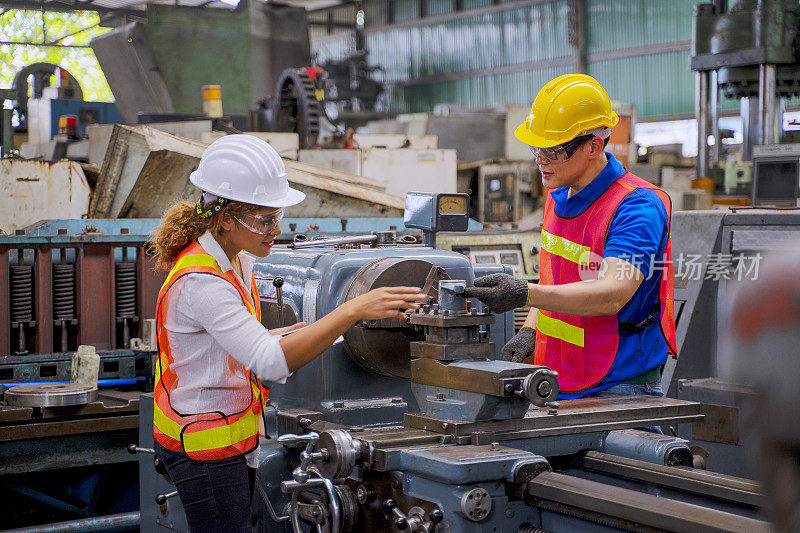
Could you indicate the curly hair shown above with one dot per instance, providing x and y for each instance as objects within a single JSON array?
[{"x": 180, "y": 225}]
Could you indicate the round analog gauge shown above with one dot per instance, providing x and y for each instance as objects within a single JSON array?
[{"x": 452, "y": 205}]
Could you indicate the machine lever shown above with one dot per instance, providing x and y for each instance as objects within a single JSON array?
[
  {"x": 400, "y": 520},
  {"x": 278, "y": 284},
  {"x": 161, "y": 499},
  {"x": 133, "y": 449},
  {"x": 290, "y": 439},
  {"x": 300, "y": 473}
]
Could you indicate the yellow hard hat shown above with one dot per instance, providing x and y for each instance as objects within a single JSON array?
[{"x": 566, "y": 107}]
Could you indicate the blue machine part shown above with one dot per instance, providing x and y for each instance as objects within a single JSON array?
[
  {"x": 502, "y": 515},
  {"x": 87, "y": 113},
  {"x": 458, "y": 465},
  {"x": 315, "y": 282},
  {"x": 311, "y": 227},
  {"x": 649, "y": 447},
  {"x": 452, "y": 404},
  {"x": 345, "y": 227}
]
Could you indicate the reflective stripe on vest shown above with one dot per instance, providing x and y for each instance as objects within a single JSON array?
[
  {"x": 571, "y": 251},
  {"x": 553, "y": 327},
  {"x": 583, "y": 349},
  {"x": 212, "y": 435}
]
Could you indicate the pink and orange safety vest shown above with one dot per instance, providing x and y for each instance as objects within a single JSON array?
[{"x": 583, "y": 349}]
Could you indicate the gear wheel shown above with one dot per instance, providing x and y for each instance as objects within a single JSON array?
[{"x": 298, "y": 108}]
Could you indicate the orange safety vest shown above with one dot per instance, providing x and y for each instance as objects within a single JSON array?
[
  {"x": 211, "y": 435},
  {"x": 583, "y": 349}
]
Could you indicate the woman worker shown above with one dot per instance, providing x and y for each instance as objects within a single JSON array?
[{"x": 208, "y": 400}]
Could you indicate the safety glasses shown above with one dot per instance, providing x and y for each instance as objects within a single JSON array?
[
  {"x": 562, "y": 152},
  {"x": 261, "y": 224}
]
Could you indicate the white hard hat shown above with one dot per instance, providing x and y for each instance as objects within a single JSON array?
[{"x": 246, "y": 169}]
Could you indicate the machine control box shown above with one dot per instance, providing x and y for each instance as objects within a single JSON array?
[{"x": 432, "y": 212}]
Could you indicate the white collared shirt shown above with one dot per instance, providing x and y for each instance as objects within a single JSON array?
[{"x": 210, "y": 332}]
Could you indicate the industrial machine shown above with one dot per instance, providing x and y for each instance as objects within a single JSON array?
[
  {"x": 258, "y": 53},
  {"x": 713, "y": 251},
  {"x": 776, "y": 175},
  {"x": 63, "y": 450},
  {"x": 55, "y": 109},
  {"x": 415, "y": 425},
  {"x": 747, "y": 49}
]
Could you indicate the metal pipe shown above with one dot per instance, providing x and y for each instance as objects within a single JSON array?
[
  {"x": 767, "y": 100},
  {"x": 114, "y": 522},
  {"x": 701, "y": 114},
  {"x": 714, "y": 93},
  {"x": 749, "y": 113},
  {"x": 358, "y": 239}
]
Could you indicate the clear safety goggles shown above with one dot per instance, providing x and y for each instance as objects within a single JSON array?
[
  {"x": 261, "y": 224},
  {"x": 562, "y": 152}
]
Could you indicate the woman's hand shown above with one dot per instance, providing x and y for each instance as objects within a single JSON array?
[
  {"x": 287, "y": 329},
  {"x": 384, "y": 302}
]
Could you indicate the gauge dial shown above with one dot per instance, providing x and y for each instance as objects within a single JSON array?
[{"x": 452, "y": 205}]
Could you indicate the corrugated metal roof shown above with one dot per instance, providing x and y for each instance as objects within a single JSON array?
[
  {"x": 484, "y": 91},
  {"x": 616, "y": 24},
  {"x": 637, "y": 48},
  {"x": 509, "y": 37}
]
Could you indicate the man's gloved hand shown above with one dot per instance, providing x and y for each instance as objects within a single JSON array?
[
  {"x": 520, "y": 346},
  {"x": 500, "y": 292}
]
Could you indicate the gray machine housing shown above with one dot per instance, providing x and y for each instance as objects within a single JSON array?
[
  {"x": 315, "y": 283},
  {"x": 720, "y": 241},
  {"x": 564, "y": 468}
]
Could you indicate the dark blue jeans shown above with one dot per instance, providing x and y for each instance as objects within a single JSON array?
[
  {"x": 627, "y": 389},
  {"x": 215, "y": 495}
]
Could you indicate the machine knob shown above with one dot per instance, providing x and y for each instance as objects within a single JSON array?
[
  {"x": 133, "y": 449},
  {"x": 436, "y": 516},
  {"x": 400, "y": 520},
  {"x": 161, "y": 499},
  {"x": 540, "y": 387},
  {"x": 389, "y": 505},
  {"x": 278, "y": 283}
]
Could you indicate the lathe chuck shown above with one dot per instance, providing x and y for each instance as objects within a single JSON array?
[{"x": 383, "y": 346}]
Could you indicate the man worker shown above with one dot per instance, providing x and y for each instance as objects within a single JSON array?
[{"x": 602, "y": 312}]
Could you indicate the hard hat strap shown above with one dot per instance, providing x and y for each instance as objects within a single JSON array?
[{"x": 208, "y": 212}]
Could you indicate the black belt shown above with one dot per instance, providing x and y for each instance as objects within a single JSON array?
[{"x": 636, "y": 327}]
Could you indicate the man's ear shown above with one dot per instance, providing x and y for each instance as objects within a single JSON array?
[{"x": 598, "y": 146}]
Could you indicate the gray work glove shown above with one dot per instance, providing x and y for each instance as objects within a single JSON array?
[
  {"x": 520, "y": 346},
  {"x": 500, "y": 292}
]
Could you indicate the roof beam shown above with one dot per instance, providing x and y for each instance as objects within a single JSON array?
[
  {"x": 44, "y": 45},
  {"x": 59, "y": 7}
]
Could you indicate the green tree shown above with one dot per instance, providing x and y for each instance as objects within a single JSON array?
[{"x": 75, "y": 29}]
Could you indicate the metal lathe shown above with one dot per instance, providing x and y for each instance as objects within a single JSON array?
[{"x": 416, "y": 425}]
